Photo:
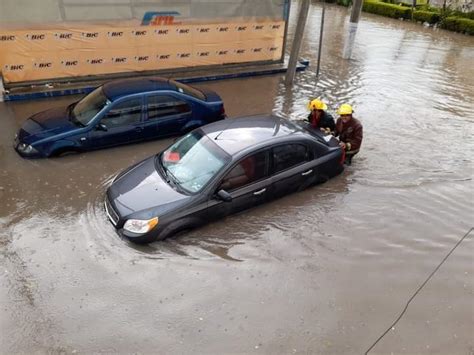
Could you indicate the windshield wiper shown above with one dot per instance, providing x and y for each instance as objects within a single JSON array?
[
  {"x": 70, "y": 107},
  {"x": 171, "y": 177}
]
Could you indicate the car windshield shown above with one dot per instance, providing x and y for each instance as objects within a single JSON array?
[
  {"x": 189, "y": 90},
  {"x": 192, "y": 161},
  {"x": 86, "y": 109}
]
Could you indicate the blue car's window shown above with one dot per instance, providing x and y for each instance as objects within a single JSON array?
[
  {"x": 289, "y": 155},
  {"x": 188, "y": 90},
  {"x": 247, "y": 171},
  {"x": 192, "y": 161},
  {"x": 86, "y": 109},
  {"x": 125, "y": 113},
  {"x": 161, "y": 106}
]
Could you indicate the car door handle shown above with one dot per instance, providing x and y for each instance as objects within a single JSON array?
[
  {"x": 307, "y": 172},
  {"x": 256, "y": 193},
  {"x": 138, "y": 129},
  {"x": 83, "y": 139}
]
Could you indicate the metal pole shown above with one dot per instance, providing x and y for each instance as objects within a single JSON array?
[
  {"x": 321, "y": 38},
  {"x": 298, "y": 39},
  {"x": 2, "y": 89},
  {"x": 353, "y": 22},
  {"x": 286, "y": 17}
]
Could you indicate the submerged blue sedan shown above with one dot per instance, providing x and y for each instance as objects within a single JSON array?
[{"x": 119, "y": 112}]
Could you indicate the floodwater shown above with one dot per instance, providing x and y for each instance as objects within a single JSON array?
[{"x": 325, "y": 271}]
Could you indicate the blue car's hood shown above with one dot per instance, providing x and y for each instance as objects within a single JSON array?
[
  {"x": 46, "y": 124},
  {"x": 142, "y": 188}
]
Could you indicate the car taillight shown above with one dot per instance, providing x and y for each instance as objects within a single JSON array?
[
  {"x": 343, "y": 156},
  {"x": 222, "y": 111}
]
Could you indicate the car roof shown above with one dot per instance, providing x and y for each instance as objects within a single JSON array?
[
  {"x": 237, "y": 134},
  {"x": 123, "y": 87}
]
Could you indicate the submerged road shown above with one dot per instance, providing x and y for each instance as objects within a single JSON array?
[{"x": 324, "y": 271}]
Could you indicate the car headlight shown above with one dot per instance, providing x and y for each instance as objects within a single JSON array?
[
  {"x": 26, "y": 148},
  {"x": 140, "y": 226}
]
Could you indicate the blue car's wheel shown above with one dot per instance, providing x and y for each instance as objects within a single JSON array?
[{"x": 64, "y": 151}]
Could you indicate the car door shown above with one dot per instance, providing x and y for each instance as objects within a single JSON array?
[
  {"x": 166, "y": 115},
  {"x": 292, "y": 168},
  {"x": 121, "y": 124},
  {"x": 247, "y": 182}
]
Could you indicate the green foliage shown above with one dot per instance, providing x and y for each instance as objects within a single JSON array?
[
  {"x": 458, "y": 24},
  {"x": 345, "y": 3},
  {"x": 469, "y": 15},
  {"x": 408, "y": 3},
  {"x": 448, "y": 19},
  {"x": 384, "y": 9},
  {"x": 426, "y": 16},
  {"x": 428, "y": 8}
]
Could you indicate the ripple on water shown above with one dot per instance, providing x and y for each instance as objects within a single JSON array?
[{"x": 101, "y": 235}]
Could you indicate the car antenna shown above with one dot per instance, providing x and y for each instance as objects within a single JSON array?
[{"x": 215, "y": 138}]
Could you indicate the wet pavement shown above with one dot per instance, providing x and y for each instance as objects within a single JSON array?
[{"x": 324, "y": 271}]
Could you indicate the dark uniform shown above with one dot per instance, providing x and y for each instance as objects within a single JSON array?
[
  {"x": 325, "y": 120},
  {"x": 351, "y": 134}
]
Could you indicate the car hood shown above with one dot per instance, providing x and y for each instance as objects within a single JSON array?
[
  {"x": 142, "y": 188},
  {"x": 46, "y": 124}
]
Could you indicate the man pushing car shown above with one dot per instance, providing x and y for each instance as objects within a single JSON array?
[{"x": 349, "y": 131}]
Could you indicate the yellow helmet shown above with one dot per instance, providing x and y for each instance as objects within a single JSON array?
[
  {"x": 317, "y": 104},
  {"x": 345, "y": 109}
]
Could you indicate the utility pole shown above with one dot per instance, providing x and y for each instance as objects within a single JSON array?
[
  {"x": 321, "y": 38},
  {"x": 2, "y": 88},
  {"x": 413, "y": 8},
  {"x": 353, "y": 23},
  {"x": 298, "y": 39}
]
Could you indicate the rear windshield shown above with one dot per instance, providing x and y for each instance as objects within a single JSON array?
[
  {"x": 188, "y": 90},
  {"x": 328, "y": 140}
]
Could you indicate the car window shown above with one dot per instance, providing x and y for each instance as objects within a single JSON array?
[
  {"x": 125, "y": 113},
  {"x": 289, "y": 155},
  {"x": 161, "y": 106},
  {"x": 85, "y": 110},
  {"x": 248, "y": 170},
  {"x": 188, "y": 90}
]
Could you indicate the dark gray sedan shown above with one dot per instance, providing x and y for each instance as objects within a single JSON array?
[{"x": 217, "y": 170}]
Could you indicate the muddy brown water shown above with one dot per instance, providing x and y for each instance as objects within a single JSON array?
[{"x": 324, "y": 271}]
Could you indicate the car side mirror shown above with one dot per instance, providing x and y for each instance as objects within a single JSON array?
[
  {"x": 102, "y": 127},
  {"x": 224, "y": 196}
]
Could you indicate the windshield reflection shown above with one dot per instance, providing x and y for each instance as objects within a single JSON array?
[
  {"x": 192, "y": 161},
  {"x": 86, "y": 109}
]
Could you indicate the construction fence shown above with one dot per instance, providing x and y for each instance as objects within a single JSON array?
[{"x": 132, "y": 36}]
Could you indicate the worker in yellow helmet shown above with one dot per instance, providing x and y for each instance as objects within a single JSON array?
[
  {"x": 319, "y": 118},
  {"x": 349, "y": 130}
]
